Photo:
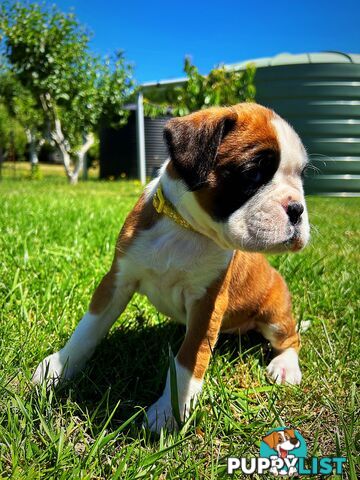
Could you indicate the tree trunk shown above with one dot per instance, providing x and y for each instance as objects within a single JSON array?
[
  {"x": 63, "y": 146},
  {"x": 66, "y": 160},
  {"x": 34, "y": 147},
  {"x": 58, "y": 136},
  {"x": 88, "y": 142}
]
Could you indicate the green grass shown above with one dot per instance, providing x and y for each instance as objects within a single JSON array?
[{"x": 56, "y": 242}]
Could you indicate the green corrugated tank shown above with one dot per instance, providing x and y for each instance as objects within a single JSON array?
[{"x": 319, "y": 95}]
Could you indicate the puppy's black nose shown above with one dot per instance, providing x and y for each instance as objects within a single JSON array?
[{"x": 294, "y": 211}]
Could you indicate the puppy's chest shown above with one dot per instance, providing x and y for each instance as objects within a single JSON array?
[
  {"x": 174, "y": 267},
  {"x": 171, "y": 292}
]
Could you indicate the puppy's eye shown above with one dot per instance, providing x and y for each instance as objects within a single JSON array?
[
  {"x": 261, "y": 168},
  {"x": 304, "y": 172},
  {"x": 254, "y": 175}
]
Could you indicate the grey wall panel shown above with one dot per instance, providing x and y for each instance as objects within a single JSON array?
[
  {"x": 118, "y": 151},
  {"x": 155, "y": 149}
]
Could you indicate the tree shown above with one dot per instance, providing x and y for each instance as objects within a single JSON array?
[
  {"x": 21, "y": 108},
  {"x": 12, "y": 135},
  {"x": 48, "y": 52},
  {"x": 221, "y": 86}
]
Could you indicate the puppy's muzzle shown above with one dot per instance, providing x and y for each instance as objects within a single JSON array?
[{"x": 295, "y": 442}]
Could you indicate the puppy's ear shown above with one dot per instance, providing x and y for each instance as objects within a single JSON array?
[
  {"x": 271, "y": 439},
  {"x": 193, "y": 142}
]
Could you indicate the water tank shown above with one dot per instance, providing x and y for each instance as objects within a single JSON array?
[{"x": 319, "y": 95}]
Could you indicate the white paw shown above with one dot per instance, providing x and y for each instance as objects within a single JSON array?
[
  {"x": 285, "y": 368},
  {"x": 292, "y": 471},
  {"x": 303, "y": 326},
  {"x": 53, "y": 369},
  {"x": 160, "y": 415}
]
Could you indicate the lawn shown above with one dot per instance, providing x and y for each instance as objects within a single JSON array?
[{"x": 56, "y": 242}]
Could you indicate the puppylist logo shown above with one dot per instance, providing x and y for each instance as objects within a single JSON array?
[{"x": 283, "y": 451}]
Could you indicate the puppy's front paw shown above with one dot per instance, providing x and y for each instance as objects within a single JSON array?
[
  {"x": 292, "y": 471},
  {"x": 274, "y": 471},
  {"x": 285, "y": 368},
  {"x": 160, "y": 415},
  {"x": 53, "y": 369}
]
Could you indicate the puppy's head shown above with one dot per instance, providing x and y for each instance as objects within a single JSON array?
[
  {"x": 282, "y": 441},
  {"x": 242, "y": 169}
]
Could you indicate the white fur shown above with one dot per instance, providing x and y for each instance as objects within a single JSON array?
[
  {"x": 285, "y": 368},
  {"x": 68, "y": 361},
  {"x": 174, "y": 267},
  {"x": 65, "y": 363},
  {"x": 285, "y": 444},
  {"x": 262, "y": 223},
  {"x": 160, "y": 414},
  {"x": 171, "y": 265},
  {"x": 168, "y": 263}
]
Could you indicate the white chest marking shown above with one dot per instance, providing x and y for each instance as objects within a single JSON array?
[{"x": 173, "y": 266}]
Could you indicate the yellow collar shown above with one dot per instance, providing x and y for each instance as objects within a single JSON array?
[{"x": 164, "y": 206}]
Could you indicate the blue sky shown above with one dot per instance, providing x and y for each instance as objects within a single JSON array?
[{"x": 156, "y": 35}]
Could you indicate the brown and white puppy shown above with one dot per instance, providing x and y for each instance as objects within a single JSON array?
[
  {"x": 234, "y": 175},
  {"x": 282, "y": 441}
]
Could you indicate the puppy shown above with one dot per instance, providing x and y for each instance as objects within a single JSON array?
[
  {"x": 283, "y": 441},
  {"x": 230, "y": 189}
]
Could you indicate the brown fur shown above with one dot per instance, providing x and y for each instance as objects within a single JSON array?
[
  {"x": 252, "y": 133},
  {"x": 204, "y": 325},
  {"x": 104, "y": 291},
  {"x": 142, "y": 217},
  {"x": 193, "y": 142},
  {"x": 249, "y": 295},
  {"x": 171, "y": 171},
  {"x": 273, "y": 439},
  {"x": 264, "y": 301}
]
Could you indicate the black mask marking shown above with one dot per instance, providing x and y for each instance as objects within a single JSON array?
[{"x": 237, "y": 183}]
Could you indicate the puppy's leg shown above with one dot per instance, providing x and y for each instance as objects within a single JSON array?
[
  {"x": 108, "y": 302},
  {"x": 277, "y": 325},
  {"x": 192, "y": 360}
]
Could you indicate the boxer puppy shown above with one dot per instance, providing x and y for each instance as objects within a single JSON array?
[{"x": 231, "y": 189}]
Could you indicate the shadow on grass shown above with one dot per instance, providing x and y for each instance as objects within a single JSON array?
[{"x": 130, "y": 366}]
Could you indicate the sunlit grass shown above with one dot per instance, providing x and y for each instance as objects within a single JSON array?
[{"x": 56, "y": 242}]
